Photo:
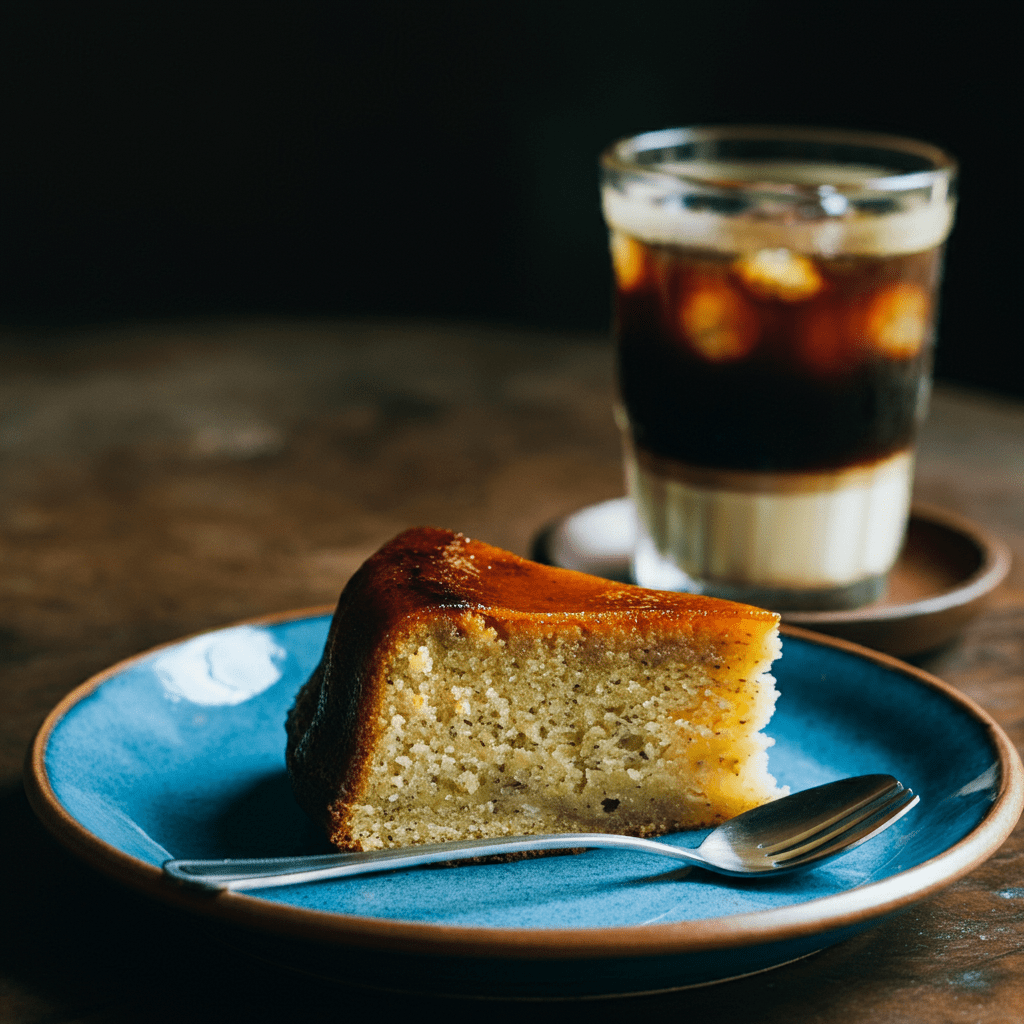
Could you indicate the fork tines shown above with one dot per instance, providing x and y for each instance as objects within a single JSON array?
[{"x": 848, "y": 831}]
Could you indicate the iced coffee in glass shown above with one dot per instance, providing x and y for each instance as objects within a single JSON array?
[{"x": 775, "y": 311}]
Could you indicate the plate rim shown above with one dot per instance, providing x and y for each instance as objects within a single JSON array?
[{"x": 850, "y": 909}]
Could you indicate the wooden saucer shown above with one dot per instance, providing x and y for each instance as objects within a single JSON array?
[{"x": 946, "y": 569}]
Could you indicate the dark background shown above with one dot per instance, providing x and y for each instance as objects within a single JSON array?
[{"x": 430, "y": 159}]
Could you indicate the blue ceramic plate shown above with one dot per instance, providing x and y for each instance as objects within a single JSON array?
[{"x": 180, "y": 753}]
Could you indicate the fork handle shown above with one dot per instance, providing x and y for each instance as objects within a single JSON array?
[{"x": 267, "y": 872}]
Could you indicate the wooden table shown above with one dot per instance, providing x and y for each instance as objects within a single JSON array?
[{"x": 157, "y": 481}]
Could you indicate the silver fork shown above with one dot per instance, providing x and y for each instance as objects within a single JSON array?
[{"x": 793, "y": 832}]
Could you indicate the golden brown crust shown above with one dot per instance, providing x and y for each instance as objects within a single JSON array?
[{"x": 443, "y": 577}]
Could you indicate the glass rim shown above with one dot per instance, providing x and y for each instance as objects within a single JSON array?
[{"x": 622, "y": 157}]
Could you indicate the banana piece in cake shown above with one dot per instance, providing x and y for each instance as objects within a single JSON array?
[{"x": 466, "y": 692}]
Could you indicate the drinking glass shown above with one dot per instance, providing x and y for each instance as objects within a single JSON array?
[{"x": 775, "y": 308}]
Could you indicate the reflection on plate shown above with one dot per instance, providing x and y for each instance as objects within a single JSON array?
[
  {"x": 180, "y": 753},
  {"x": 947, "y": 567}
]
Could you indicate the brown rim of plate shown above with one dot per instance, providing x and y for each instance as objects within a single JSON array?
[{"x": 843, "y": 910}]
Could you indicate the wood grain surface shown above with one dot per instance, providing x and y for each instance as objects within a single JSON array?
[{"x": 157, "y": 481}]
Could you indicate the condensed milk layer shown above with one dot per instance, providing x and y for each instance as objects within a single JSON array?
[{"x": 792, "y": 540}]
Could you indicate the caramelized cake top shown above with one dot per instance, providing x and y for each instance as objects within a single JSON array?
[{"x": 428, "y": 568}]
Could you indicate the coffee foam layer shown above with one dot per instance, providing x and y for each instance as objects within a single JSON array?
[{"x": 649, "y": 209}]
